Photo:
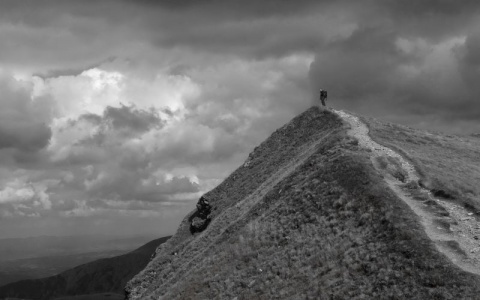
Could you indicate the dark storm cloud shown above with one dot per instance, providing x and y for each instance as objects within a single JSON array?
[
  {"x": 407, "y": 58},
  {"x": 232, "y": 8},
  {"x": 51, "y": 38},
  {"x": 90, "y": 118},
  {"x": 469, "y": 68},
  {"x": 366, "y": 69},
  {"x": 124, "y": 120},
  {"x": 70, "y": 71},
  {"x": 23, "y": 136},
  {"x": 251, "y": 29},
  {"x": 117, "y": 125},
  {"x": 103, "y": 136},
  {"x": 134, "y": 119},
  {"x": 24, "y": 123},
  {"x": 68, "y": 36},
  {"x": 358, "y": 65},
  {"x": 416, "y": 9}
]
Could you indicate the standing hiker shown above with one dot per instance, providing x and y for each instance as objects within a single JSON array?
[{"x": 323, "y": 96}]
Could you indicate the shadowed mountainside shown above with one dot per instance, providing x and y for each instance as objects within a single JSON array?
[
  {"x": 307, "y": 216},
  {"x": 100, "y": 276}
]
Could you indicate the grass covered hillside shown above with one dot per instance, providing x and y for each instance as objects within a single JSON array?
[
  {"x": 100, "y": 276},
  {"x": 449, "y": 165},
  {"x": 306, "y": 217}
]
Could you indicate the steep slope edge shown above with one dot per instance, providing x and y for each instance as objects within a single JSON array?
[
  {"x": 307, "y": 215},
  {"x": 436, "y": 214},
  {"x": 103, "y": 275},
  {"x": 448, "y": 169}
]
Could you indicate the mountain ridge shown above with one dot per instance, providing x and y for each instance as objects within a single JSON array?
[
  {"x": 307, "y": 215},
  {"x": 402, "y": 177}
]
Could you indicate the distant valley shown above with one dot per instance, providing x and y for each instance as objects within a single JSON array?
[
  {"x": 38, "y": 257},
  {"x": 39, "y": 267},
  {"x": 100, "y": 279}
]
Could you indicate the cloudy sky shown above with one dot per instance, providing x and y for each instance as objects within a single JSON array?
[{"x": 116, "y": 115}]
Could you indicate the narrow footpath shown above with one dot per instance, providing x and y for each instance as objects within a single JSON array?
[{"x": 454, "y": 231}]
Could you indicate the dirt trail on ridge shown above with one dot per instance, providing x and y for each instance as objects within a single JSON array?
[{"x": 453, "y": 230}]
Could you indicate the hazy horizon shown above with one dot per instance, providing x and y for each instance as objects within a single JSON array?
[{"x": 109, "y": 236}]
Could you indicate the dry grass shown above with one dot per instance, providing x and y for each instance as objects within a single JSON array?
[
  {"x": 329, "y": 229},
  {"x": 445, "y": 162}
]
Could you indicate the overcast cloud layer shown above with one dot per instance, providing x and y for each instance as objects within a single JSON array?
[{"x": 115, "y": 116}]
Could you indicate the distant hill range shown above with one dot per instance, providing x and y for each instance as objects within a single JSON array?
[
  {"x": 46, "y": 266},
  {"x": 44, "y": 256},
  {"x": 49, "y": 246},
  {"x": 332, "y": 206},
  {"x": 104, "y": 278}
]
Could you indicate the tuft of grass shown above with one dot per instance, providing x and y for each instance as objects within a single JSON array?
[{"x": 392, "y": 166}]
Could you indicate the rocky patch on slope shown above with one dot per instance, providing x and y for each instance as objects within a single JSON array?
[{"x": 201, "y": 218}]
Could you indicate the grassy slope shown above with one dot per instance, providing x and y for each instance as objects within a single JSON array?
[
  {"x": 448, "y": 163},
  {"x": 330, "y": 228},
  {"x": 104, "y": 275}
]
